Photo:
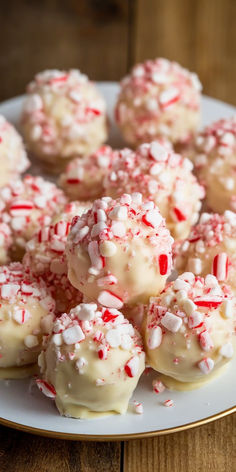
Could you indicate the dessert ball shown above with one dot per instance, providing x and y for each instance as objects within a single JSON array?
[
  {"x": 190, "y": 328},
  {"x": 13, "y": 157},
  {"x": 72, "y": 209},
  {"x": 45, "y": 256},
  {"x": 92, "y": 362},
  {"x": 159, "y": 98},
  {"x": 64, "y": 116},
  {"x": 25, "y": 206},
  {"x": 162, "y": 176},
  {"x": 210, "y": 248},
  {"x": 6, "y": 242},
  {"x": 214, "y": 155},
  {"x": 26, "y": 313},
  {"x": 83, "y": 178},
  {"x": 119, "y": 251}
]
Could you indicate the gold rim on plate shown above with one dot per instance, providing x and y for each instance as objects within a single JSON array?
[{"x": 115, "y": 437}]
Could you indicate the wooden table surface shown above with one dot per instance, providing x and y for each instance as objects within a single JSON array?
[{"x": 104, "y": 38}]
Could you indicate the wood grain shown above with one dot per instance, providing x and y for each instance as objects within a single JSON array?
[
  {"x": 21, "y": 452},
  {"x": 90, "y": 35},
  {"x": 201, "y": 35},
  {"x": 209, "y": 448}
]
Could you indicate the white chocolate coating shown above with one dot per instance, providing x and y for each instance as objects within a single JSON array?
[
  {"x": 92, "y": 362},
  {"x": 214, "y": 154},
  {"x": 188, "y": 331},
  {"x": 64, "y": 116},
  {"x": 162, "y": 176},
  {"x": 27, "y": 205},
  {"x": 83, "y": 178},
  {"x": 70, "y": 210},
  {"x": 210, "y": 248},
  {"x": 159, "y": 98},
  {"x": 45, "y": 256},
  {"x": 27, "y": 312},
  {"x": 13, "y": 157},
  {"x": 119, "y": 251}
]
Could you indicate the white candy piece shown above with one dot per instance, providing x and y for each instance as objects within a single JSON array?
[
  {"x": 155, "y": 337},
  {"x": 73, "y": 335},
  {"x": 171, "y": 322}
]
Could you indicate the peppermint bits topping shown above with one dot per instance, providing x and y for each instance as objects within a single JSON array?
[
  {"x": 190, "y": 326},
  {"x": 123, "y": 237}
]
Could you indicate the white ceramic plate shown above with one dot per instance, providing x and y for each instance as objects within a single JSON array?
[{"x": 22, "y": 406}]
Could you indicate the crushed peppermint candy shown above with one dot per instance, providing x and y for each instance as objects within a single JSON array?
[
  {"x": 210, "y": 247},
  {"x": 159, "y": 174},
  {"x": 27, "y": 205},
  {"x": 12, "y": 152},
  {"x": 152, "y": 100},
  {"x": 59, "y": 113},
  {"x": 90, "y": 336},
  {"x": 83, "y": 178},
  {"x": 121, "y": 236},
  {"x": 191, "y": 317}
]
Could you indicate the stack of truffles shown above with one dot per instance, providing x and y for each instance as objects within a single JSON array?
[{"x": 86, "y": 298}]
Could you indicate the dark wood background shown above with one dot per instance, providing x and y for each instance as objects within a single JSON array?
[{"x": 104, "y": 38}]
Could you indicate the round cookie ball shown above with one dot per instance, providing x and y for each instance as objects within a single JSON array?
[
  {"x": 159, "y": 98},
  {"x": 214, "y": 154},
  {"x": 83, "y": 178},
  {"x": 45, "y": 256},
  {"x": 189, "y": 330},
  {"x": 27, "y": 205},
  {"x": 27, "y": 312},
  {"x": 13, "y": 157},
  {"x": 210, "y": 248},
  {"x": 64, "y": 116},
  {"x": 119, "y": 251},
  {"x": 162, "y": 176},
  {"x": 92, "y": 362}
]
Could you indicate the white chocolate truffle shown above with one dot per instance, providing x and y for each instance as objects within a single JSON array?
[
  {"x": 92, "y": 362},
  {"x": 45, "y": 256},
  {"x": 162, "y": 176},
  {"x": 214, "y": 155},
  {"x": 70, "y": 210},
  {"x": 64, "y": 116},
  {"x": 83, "y": 178},
  {"x": 27, "y": 205},
  {"x": 119, "y": 251},
  {"x": 210, "y": 248},
  {"x": 27, "y": 312},
  {"x": 159, "y": 98},
  {"x": 188, "y": 332},
  {"x": 13, "y": 157}
]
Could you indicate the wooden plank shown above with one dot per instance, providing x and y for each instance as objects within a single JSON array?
[
  {"x": 92, "y": 36},
  {"x": 201, "y": 35},
  {"x": 208, "y": 448},
  {"x": 21, "y": 452}
]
